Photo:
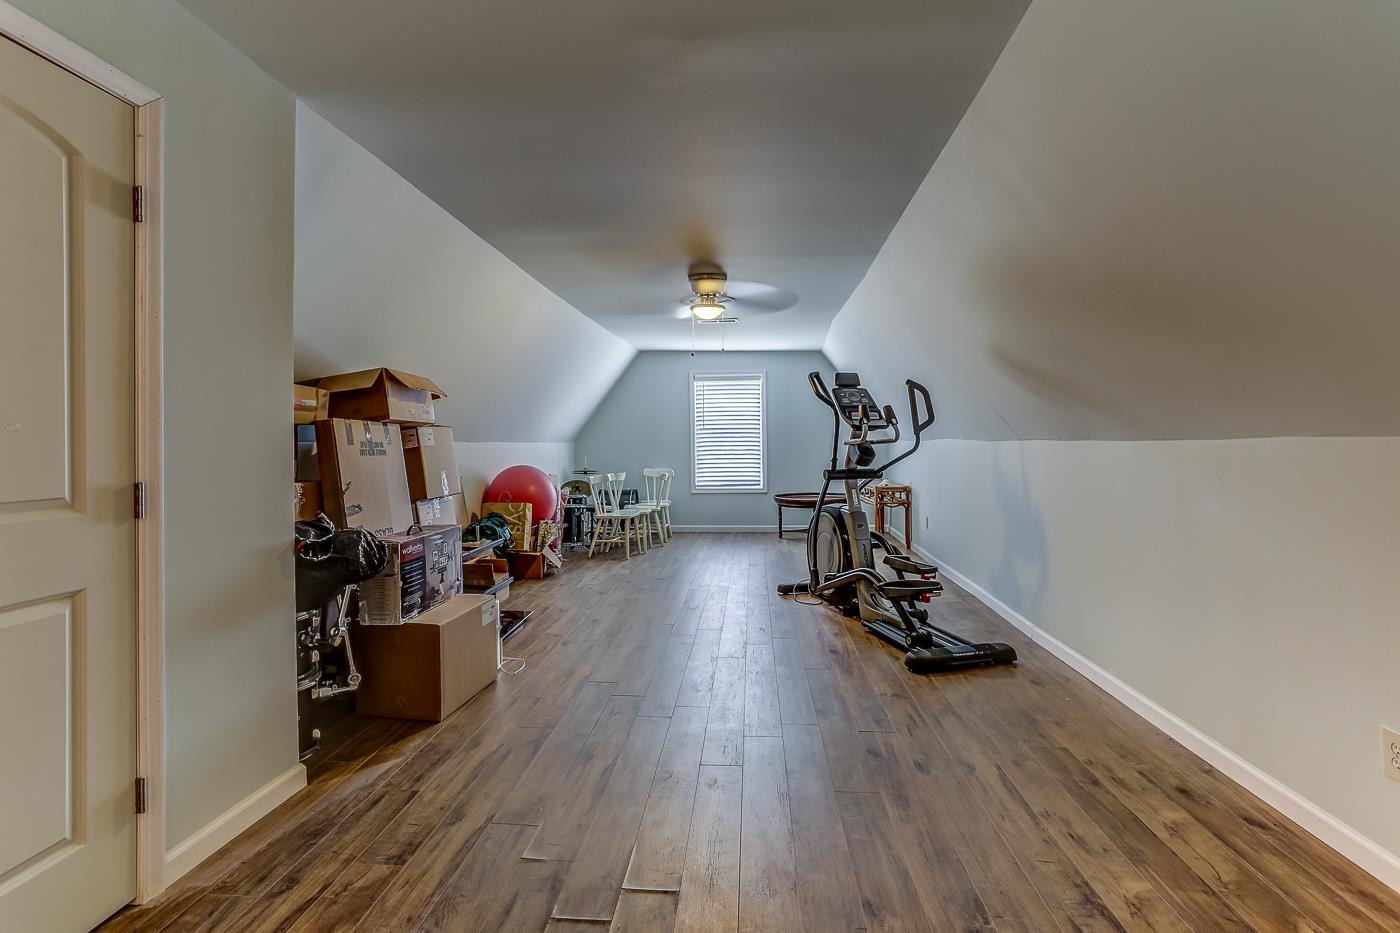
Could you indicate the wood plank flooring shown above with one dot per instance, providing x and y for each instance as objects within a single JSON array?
[{"x": 686, "y": 751}]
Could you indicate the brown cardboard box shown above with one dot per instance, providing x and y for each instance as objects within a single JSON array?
[
  {"x": 426, "y": 668},
  {"x": 309, "y": 404},
  {"x": 380, "y": 395},
  {"x": 484, "y": 572},
  {"x": 425, "y": 570},
  {"x": 307, "y": 501},
  {"x": 526, "y": 565},
  {"x": 444, "y": 510},
  {"x": 308, "y": 466},
  {"x": 432, "y": 462},
  {"x": 362, "y": 475}
]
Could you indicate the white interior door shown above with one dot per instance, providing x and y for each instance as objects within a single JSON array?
[{"x": 67, "y": 534}]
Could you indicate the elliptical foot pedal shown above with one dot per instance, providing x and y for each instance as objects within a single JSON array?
[
  {"x": 934, "y": 660},
  {"x": 904, "y": 590},
  {"x": 907, "y": 565}
]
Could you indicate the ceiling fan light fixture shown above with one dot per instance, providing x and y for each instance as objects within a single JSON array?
[
  {"x": 708, "y": 283},
  {"x": 706, "y": 309}
]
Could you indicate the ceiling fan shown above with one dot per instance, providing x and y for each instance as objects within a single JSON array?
[{"x": 713, "y": 299}]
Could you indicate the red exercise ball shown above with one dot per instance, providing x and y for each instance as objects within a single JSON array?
[{"x": 523, "y": 483}]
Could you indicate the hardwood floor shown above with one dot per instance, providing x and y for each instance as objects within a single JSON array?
[{"x": 686, "y": 751}]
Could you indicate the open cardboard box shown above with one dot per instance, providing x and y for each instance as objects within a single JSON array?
[
  {"x": 309, "y": 404},
  {"x": 485, "y": 572},
  {"x": 306, "y": 501},
  {"x": 381, "y": 394},
  {"x": 526, "y": 565}
]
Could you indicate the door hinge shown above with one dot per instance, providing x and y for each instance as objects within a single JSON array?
[
  {"x": 140, "y": 795},
  {"x": 138, "y": 203},
  {"x": 138, "y": 500}
]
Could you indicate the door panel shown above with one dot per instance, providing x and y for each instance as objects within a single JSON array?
[
  {"x": 67, "y": 536},
  {"x": 34, "y": 356},
  {"x": 36, "y": 674}
]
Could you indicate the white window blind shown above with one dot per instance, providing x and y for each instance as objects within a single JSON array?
[{"x": 726, "y": 411}]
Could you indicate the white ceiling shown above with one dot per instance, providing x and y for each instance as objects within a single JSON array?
[{"x": 604, "y": 145}]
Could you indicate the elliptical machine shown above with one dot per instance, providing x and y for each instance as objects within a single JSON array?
[{"x": 840, "y": 558}]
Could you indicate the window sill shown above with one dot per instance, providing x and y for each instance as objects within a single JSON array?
[{"x": 729, "y": 492}]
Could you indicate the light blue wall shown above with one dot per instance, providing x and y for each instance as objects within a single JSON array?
[
  {"x": 228, "y": 139},
  {"x": 645, "y": 421}
]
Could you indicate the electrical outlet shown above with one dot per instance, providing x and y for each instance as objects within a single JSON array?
[{"x": 1392, "y": 753}]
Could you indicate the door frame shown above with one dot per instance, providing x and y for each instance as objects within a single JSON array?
[{"x": 150, "y": 567}]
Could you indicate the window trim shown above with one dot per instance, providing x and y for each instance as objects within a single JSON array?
[{"x": 708, "y": 375}]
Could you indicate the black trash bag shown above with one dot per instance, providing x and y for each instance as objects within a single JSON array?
[{"x": 328, "y": 560}]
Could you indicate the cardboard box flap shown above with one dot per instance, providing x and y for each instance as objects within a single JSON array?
[
  {"x": 365, "y": 378},
  {"x": 453, "y": 609},
  {"x": 422, "y": 383},
  {"x": 345, "y": 381}
]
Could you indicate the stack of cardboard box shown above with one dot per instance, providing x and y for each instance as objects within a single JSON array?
[{"x": 367, "y": 449}]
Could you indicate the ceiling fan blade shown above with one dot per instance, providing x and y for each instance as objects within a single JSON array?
[{"x": 760, "y": 296}]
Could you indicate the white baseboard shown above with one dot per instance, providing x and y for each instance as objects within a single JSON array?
[
  {"x": 222, "y": 830},
  {"x": 756, "y": 529},
  {"x": 1347, "y": 841}
]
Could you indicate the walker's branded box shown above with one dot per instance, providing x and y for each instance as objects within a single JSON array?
[{"x": 425, "y": 570}]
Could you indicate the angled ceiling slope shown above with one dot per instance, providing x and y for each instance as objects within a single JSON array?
[
  {"x": 1157, "y": 221},
  {"x": 386, "y": 277},
  {"x": 604, "y": 145}
]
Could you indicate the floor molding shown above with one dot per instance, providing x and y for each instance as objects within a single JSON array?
[
  {"x": 222, "y": 830},
  {"x": 1348, "y": 842},
  {"x": 756, "y": 529}
]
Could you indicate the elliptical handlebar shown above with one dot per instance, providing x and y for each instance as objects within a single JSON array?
[
  {"x": 916, "y": 392},
  {"x": 920, "y": 424},
  {"x": 819, "y": 389},
  {"x": 863, "y": 422}
]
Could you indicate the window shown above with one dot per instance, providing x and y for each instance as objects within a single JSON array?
[{"x": 726, "y": 416}]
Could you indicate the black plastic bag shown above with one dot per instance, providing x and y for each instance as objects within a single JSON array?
[{"x": 328, "y": 559}]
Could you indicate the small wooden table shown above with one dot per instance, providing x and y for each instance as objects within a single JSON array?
[
  {"x": 892, "y": 496},
  {"x": 801, "y": 500}
]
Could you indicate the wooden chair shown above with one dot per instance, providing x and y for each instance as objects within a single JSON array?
[
  {"x": 666, "y": 502},
  {"x": 641, "y": 514},
  {"x": 658, "y": 499},
  {"x": 612, "y": 524}
]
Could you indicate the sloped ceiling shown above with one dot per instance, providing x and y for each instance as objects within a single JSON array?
[
  {"x": 604, "y": 145},
  {"x": 385, "y": 277},
  {"x": 1157, "y": 220}
]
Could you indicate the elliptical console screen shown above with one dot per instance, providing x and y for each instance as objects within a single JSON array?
[{"x": 850, "y": 398}]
